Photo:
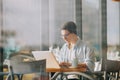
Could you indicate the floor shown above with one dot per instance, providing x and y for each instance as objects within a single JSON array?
[
  {"x": 29, "y": 77},
  {"x": 25, "y": 77}
]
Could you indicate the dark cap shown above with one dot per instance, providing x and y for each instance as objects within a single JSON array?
[{"x": 70, "y": 26}]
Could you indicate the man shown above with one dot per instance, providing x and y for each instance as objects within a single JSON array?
[{"x": 75, "y": 48}]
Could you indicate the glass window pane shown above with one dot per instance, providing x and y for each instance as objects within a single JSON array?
[
  {"x": 23, "y": 18},
  {"x": 113, "y": 29},
  {"x": 91, "y": 23},
  {"x": 36, "y": 23},
  {"x": 58, "y": 16}
]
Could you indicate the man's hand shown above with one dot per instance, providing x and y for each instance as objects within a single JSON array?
[
  {"x": 65, "y": 64},
  {"x": 82, "y": 65}
]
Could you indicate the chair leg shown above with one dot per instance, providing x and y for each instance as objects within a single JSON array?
[
  {"x": 80, "y": 77},
  {"x": 110, "y": 76},
  {"x": 106, "y": 76},
  {"x": 20, "y": 76},
  {"x": 55, "y": 75},
  {"x": 118, "y": 75},
  {"x": 10, "y": 77}
]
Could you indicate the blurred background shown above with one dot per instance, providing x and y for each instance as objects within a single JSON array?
[
  {"x": 35, "y": 24},
  {"x": 29, "y": 25}
]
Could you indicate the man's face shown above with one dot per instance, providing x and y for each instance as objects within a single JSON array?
[{"x": 65, "y": 35}]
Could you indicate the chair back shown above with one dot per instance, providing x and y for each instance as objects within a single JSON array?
[
  {"x": 20, "y": 66},
  {"x": 28, "y": 67},
  {"x": 112, "y": 66}
]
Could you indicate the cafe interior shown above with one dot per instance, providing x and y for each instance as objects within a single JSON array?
[{"x": 27, "y": 26}]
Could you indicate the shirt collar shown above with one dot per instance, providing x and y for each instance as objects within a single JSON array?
[{"x": 77, "y": 43}]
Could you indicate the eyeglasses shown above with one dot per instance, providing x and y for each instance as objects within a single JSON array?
[{"x": 66, "y": 35}]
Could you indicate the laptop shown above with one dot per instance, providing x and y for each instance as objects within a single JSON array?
[
  {"x": 38, "y": 55},
  {"x": 51, "y": 62}
]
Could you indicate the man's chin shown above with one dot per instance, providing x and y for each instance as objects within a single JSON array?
[{"x": 66, "y": 41}]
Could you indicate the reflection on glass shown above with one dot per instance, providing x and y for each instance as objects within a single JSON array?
[
  {"x": 91, "y": 24},
  {"x": 113, "y": 30},
  {"x": 37, "y": 22}
]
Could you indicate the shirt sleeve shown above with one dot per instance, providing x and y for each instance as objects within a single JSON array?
[{"x": 90, "y": 58}]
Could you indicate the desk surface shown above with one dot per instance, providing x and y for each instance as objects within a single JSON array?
[{"x": 51, "y": 63}]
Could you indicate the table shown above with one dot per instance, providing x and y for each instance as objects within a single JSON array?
[{"x": 51, "y": 63}]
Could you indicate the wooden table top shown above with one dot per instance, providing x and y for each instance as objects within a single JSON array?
[{"x": 51, "y": 63}]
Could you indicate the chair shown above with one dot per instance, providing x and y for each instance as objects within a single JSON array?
[
  {"x": 110, "y": 72},
  {"x": 19, "y": 66},
  {"x": 3, "y": 73},
  {"x": 96, "y": 75},
  {"x": 80, "y": 74},
  {"x": 112, "y": 69}
]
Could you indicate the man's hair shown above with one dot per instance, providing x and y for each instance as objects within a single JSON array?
[{"x": 70, "y": 26}]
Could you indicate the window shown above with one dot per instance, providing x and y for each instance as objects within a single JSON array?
[
  {"x": 37, "y": 23},
  {"x": 113, "y": 29},
  {"x": 91, "y": 24}
]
